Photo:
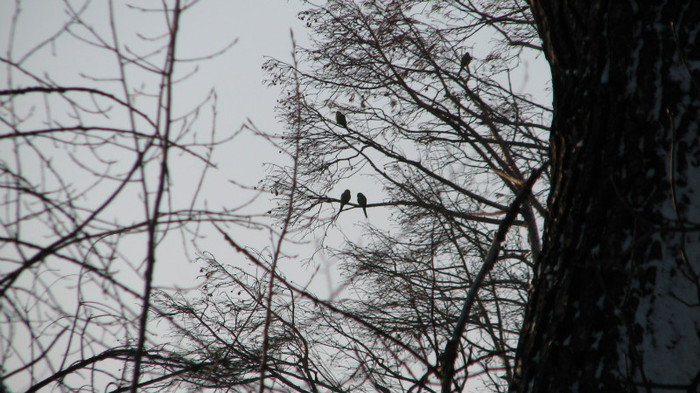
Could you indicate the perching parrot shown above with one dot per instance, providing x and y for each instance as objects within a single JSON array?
[
  {"x": 341, "y": 120},
  {"x": 362, "y": 201},
  {"x": 344, "y": 199},
  {"x": 464, "y": 62}
]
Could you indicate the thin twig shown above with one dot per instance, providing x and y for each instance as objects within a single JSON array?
[{"x": 285, "y": 228}]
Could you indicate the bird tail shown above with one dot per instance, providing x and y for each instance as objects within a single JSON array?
[{"x": 339, "y": 210}]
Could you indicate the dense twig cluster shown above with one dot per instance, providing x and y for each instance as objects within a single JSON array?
[{"x": 446, "y": 143}]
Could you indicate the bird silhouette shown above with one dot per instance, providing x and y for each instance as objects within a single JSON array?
[
  {"x": 341, "y": 120},
  {"x": 344, "y": 199},
  {"x": 362, "y": 201},
  {"x": 464, "y": 62}
]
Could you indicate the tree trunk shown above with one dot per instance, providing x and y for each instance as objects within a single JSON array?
[{"x": 615, "y": 302}]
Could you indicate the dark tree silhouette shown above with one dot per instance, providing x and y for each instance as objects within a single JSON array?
[{"x": 616, "y": 294}]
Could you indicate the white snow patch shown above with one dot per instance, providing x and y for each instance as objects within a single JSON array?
[
  {"x": 658, "y": 90},
  {"x": 627, "y": 243},
  {"x": 678, "y": 73},
  {"x": 670, "y": 347},
  {"x": 605, "y": 75},
  {"x": 599, "y": 370},
  {"x": 600, "y": 302},
  {"x": 632, "y": 69},
  {"x": 596, "y": 343}
]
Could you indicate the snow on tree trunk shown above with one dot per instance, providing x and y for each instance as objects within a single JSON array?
[{"x": 615, "y": 303}]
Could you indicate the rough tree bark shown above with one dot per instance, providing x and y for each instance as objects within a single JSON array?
[{"x": 615, "y": 301}]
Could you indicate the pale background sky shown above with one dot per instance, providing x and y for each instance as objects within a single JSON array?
[{"x": 261, "y": 28}]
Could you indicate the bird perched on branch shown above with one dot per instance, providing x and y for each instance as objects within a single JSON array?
[
  {"x": 362, "y": 201},
  {"x": 464, "y": 62},
  {"x": 344, "y": 199},
  {"x": 340, "y": 119}
]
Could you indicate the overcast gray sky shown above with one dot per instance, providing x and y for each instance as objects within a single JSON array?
[{"x": 261, "y": 28}]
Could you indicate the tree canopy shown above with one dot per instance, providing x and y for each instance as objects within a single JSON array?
[
  {"x": 439, "y": 143},
  {"x": 442, "y": 147}
]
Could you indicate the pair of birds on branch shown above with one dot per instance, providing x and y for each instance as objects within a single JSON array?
[
  {"x": 361, "y": 201},
  {"x": 345, "y": 197},
  {"x": 343, "y": 122}
]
